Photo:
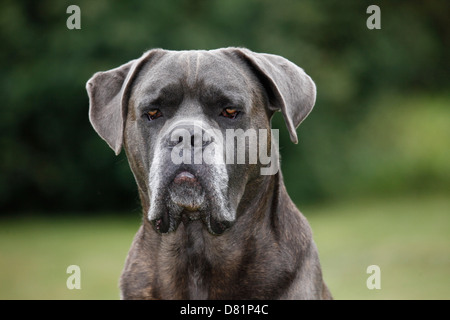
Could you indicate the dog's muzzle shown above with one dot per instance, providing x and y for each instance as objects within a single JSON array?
[
  {"x": 186, "y": 202},
  {"x": 188, "y": 191}
]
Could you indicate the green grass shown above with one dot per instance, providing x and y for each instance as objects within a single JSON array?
[
  {"x": 409, "y": 239},
  {"x": 35, "y": 253}
]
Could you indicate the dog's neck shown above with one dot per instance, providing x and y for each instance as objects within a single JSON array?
[{"x": 192, "y": 263}]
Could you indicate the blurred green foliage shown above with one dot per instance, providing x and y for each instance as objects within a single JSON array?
[{"x": 381, "y": 124}]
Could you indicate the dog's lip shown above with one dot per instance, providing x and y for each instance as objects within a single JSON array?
[{"x": 185, "y": 176}]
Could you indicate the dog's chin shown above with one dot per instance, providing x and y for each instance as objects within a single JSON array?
[
  {"x": 186, "y": 192},
  {"x": 186, "y": 201}
]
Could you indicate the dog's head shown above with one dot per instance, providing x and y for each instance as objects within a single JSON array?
[{"x": 196, "y": 126}]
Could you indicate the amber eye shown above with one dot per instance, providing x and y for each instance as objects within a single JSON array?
[
  {"x": 153, "y": 114},
  {"x": 230, "y": 113}
]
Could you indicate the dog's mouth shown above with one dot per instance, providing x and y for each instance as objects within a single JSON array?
[
  {"x": 186, "y": 192},
  {"x": 187, "y": 201}
]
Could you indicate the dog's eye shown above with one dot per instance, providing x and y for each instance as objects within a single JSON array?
[
  {"x": 230, "y": 113},
  {"x": 153, "y": 114}
]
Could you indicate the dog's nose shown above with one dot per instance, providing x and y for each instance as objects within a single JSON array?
[{"x": 189, "y": 136}]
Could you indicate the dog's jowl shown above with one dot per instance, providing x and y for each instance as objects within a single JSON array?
[{"x": 215, "y": 226}]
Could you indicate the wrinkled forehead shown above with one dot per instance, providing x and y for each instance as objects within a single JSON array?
[{"x": 195, "y": 73}]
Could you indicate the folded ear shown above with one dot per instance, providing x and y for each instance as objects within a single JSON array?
[
  {"x": 108, "y": 98},
  {"x": 288, "y": 87}
]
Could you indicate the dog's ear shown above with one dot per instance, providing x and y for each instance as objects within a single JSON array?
[
  {"x": 108, "y": 93},
  {"x": 288, "y": 87}
]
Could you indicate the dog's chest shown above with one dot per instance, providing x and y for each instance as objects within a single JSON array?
[
  {"x": 197, "y": 288},
  {"x": 197, "y": 268}
]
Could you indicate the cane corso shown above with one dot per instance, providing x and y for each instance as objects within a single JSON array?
[{"x": 215, "y": 225}]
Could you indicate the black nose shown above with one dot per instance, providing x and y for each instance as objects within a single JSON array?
[{"x": 189, "y": 136}]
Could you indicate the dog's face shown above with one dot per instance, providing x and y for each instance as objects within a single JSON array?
[
  {"x": 194, "y": 125},
  {"x": 179, "y": 112}
]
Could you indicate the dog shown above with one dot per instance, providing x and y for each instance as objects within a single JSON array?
[{"x": 211, "y": 229}]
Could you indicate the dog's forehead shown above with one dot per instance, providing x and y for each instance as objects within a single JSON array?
[
  {"x": 207, "y": 66},
  {"x": 194, "y": 69}
]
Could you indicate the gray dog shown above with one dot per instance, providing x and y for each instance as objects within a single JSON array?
[{"x": 214, "y": 227}]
